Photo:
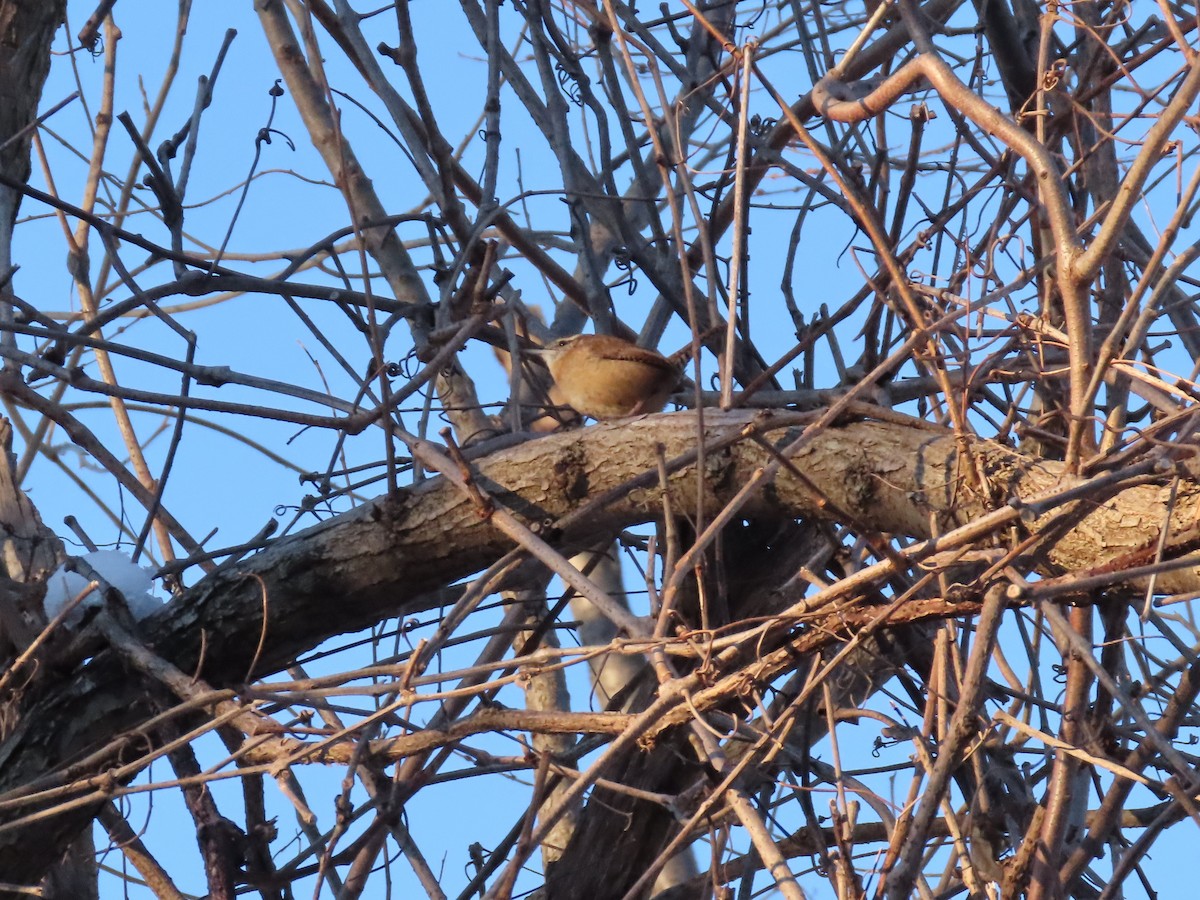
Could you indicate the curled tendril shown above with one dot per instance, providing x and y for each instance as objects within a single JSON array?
[
  {"x": 405, "y": 366},
  {"x": 753, "y": 19},
  {"x": 264, "y": 137},
  {"x": 1054, "y": 75},
  {"x": 570, "y": 86},
  {"x": 623, "y": 263},
  {"x": 760, "y": 125},
  {"x": 307, "y": 505}
]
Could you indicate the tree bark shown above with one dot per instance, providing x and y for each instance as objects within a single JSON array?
[{"x": 385, "y": 558}]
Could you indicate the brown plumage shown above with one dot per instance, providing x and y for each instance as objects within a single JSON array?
[{"x": 606, "y": 377}]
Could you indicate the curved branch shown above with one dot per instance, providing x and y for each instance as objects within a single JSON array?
[{"x": 383, "y": 559}]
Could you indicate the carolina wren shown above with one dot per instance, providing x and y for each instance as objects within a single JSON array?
[{"x": 607, "y": 377}]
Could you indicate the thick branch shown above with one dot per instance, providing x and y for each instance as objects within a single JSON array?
[{"x": 381, "y": 560}]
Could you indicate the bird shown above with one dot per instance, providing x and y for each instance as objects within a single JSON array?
[{"x": 608, "y": 377}]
